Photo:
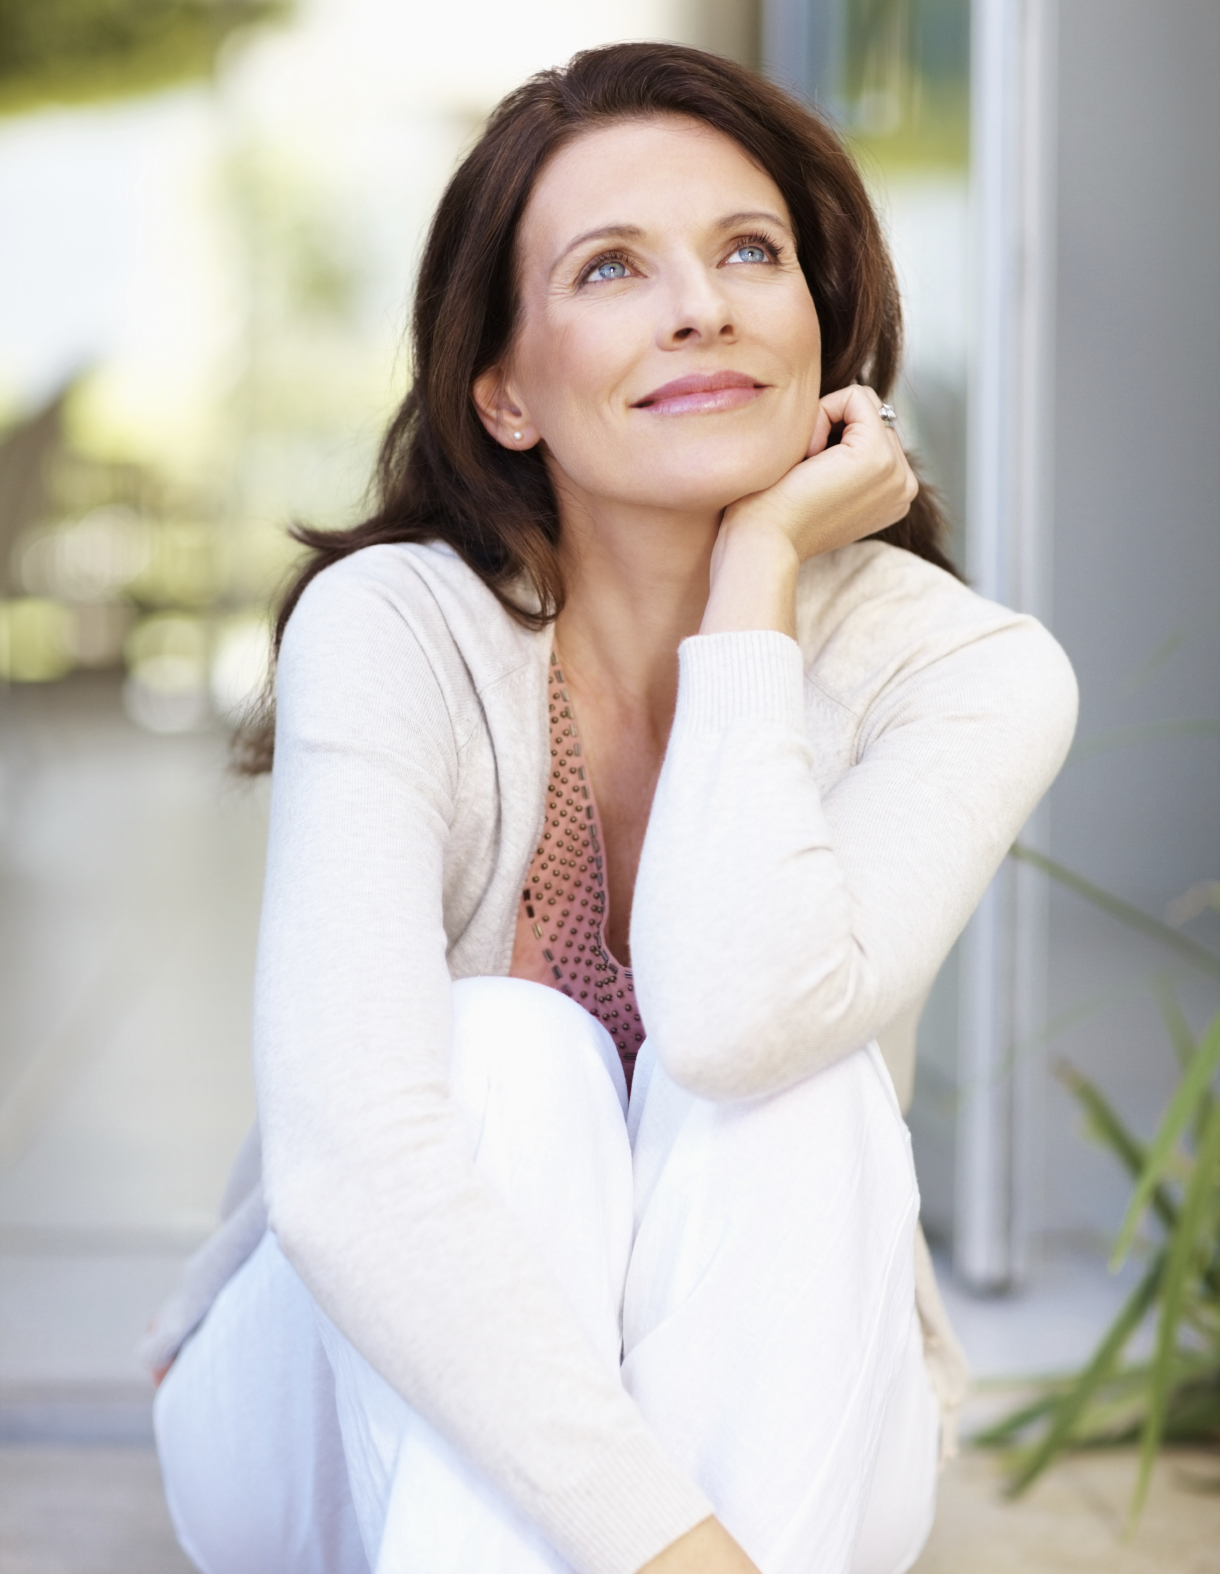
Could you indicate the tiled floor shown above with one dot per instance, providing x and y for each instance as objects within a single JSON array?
[
  {"x": 130, "y": 868},
  {"x": 84, "y": 1510},
  {"x": 1071, "y": 1522}
]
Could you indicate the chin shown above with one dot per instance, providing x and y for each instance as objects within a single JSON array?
[
  {"x": 714, "y": 480},
  {"x": 702, "y": 476}
]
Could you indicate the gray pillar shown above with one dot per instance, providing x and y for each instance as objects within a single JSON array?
[{"x": 1008, "y": 537}]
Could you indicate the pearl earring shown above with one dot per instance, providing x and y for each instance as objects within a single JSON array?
[{"x": 517, "y": 435}]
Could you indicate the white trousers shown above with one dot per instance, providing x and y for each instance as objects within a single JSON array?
[{"x": 752, "y": 1262}]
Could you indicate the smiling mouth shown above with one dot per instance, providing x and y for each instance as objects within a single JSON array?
[{"x": 701, "y": 394}]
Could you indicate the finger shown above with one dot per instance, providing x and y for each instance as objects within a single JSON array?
[
  {"x": 854, "y": 406},
  {"x": 821, "y": 433},
  {"x": 888, "y": 426},
  {"x": 907, "y": 478}
]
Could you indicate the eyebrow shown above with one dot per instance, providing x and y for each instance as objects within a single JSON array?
[
  {"x": 603, "y": 232},
  {"x": 759, "y": 213},
  {"x": 633, "y": 231}
]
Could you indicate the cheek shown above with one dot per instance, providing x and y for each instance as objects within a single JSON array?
[
  {"x": 797, "y": 330},
  {"x": 573, "y": 377}
]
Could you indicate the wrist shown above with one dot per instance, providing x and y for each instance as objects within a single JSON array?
[
  {"x": 707, "y": 1549},
  {"x": 753, "y": 577}
]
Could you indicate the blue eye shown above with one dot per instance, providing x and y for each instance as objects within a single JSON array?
[
  {"x": 751, "y": 253},
  {"x": 611, "y": 269}
]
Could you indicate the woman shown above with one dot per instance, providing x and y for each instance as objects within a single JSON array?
[{"x": 647, "y": 682}]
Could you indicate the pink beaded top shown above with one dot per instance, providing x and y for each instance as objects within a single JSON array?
[{"x": 561, "y": 921}]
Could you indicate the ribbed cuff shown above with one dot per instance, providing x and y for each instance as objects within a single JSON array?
[
  {"x": 756, "y": 674},
  {"x": 640, "y": 1505}
]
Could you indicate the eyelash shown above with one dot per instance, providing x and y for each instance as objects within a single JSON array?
[
  {"x": 764, "y": 241},
  {"x": 761, "y": 240},
  {"x": 591, "y": 268}
]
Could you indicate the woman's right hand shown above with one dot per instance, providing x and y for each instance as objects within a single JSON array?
[
  {"x": 836, "y": 495},
  {"x": 707, "y": 1549},
  {"x": 833, "y": 497}
]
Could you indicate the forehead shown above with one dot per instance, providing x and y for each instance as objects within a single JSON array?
[{"x": 644, "y": 173}]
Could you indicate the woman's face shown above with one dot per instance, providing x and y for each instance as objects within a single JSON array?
[{"x": 668, "y": 351}]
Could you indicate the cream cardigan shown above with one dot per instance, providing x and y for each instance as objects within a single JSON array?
[{"x": 828, "y": 815}]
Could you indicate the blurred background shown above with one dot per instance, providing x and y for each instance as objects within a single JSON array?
[{"x": 210, "y": 214}]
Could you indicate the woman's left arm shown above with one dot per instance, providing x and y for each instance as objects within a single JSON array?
[{"x": 774, "y": 929}]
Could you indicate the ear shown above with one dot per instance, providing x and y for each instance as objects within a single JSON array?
[{"x": 501, "y": 412}]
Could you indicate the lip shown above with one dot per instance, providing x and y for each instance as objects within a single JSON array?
[{"x": 701, "y": 392}]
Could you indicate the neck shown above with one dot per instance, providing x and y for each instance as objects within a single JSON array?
[{"x": 637, "y": 583}]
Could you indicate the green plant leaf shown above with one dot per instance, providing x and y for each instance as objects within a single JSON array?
[
  {"x": 1194, "y": 1085},
  {"x": 1108, "y": 1127},
  {"x": 1183, "y": 1250},
  {"x": 1011, "y": 1426},
  {"x": 1207, "y": 961},
  {"x": 1176, "y": 1025},
  {"x": 1072, "y": 1404},
  {"x": 1194, "y": 1413},
  {"x": 1181, "y": 1037}
]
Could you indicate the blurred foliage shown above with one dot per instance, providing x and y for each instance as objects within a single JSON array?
[
  {"x": 1173, "y": 1397},
  {"x": 906, "y": 80},
  {"x": 72, "y": 51},
  {"x": 113, "y": 565},
  {"x": 35, "y": 640}
]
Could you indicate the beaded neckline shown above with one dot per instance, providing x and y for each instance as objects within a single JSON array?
[{"x": 563, "y": 905}]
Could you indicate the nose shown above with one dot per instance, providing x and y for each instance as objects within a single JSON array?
[{"x": 698, "y": 309}]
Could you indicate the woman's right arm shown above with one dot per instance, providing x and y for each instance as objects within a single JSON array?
[{"x": 370, "y": 1183}]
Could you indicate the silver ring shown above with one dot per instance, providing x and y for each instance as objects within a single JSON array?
[{"x": 888, "y": 414}]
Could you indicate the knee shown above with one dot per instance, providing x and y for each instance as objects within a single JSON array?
[
  {"x": 848, "y": 1120},
  {"x": 509, "y": 1033}
]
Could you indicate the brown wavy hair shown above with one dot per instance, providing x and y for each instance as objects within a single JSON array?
[{"x": 440, "y": 475}]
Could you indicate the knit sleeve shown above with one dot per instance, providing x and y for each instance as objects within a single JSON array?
[
  {"x": 370, "y": 1183},
  {"x": 775, "y": 927}
]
